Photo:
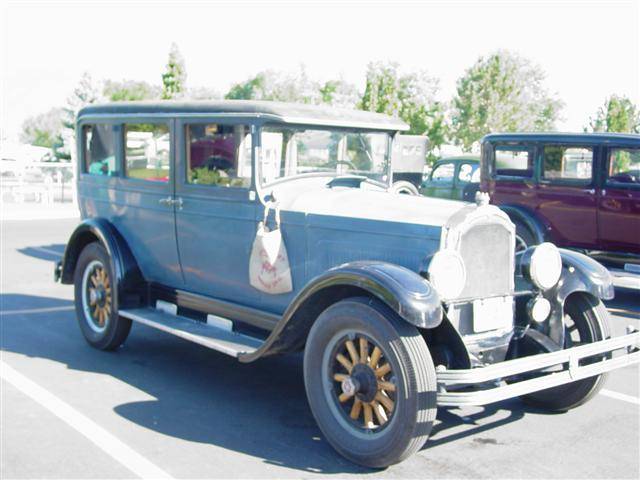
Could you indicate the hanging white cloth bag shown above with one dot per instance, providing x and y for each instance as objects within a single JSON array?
[{"x": 269, "y": 269}]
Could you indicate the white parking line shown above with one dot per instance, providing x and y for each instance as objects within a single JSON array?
[
  {"x": 620, "y": 396},
  {"x": 37, "y": 310},
  {"x": 104, "y": 440}
]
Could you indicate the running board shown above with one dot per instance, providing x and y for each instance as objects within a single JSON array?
[{"x": 211, "y": 336}]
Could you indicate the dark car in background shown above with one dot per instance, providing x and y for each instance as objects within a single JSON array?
[
  {"x": 455, "y": 178},
  {"x": 575, "y": 190}
]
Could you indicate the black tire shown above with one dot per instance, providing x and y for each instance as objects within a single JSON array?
[
  {"x": 524, "y": 236},
  {"x": 412, "y": 373},
  {"x": 104, "y": 330},
  {"x": 590, "y": 318}
]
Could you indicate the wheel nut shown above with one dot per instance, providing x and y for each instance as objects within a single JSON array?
[{"x": 350, "y": 386}]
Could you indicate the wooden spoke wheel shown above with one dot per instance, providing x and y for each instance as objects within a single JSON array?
[
  {"x": 95, "y": 300},
  {"x": 97, "y": 295},
  {"x": 370, "y": 382},
  {"x": 364, "y": 382}
]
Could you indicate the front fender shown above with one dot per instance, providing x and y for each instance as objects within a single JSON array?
[
  {"x": 404, "y": 291},
  {"x": 579, "y": 274},
  {"x": 123, "y": 264}
]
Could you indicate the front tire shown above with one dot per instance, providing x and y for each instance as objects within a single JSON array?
[
  {"x": 586, "y": 321},
  {"x": 370, "y": 382},
  {"x": 95, "y": 302}
]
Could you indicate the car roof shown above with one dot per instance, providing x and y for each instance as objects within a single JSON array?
[
  {"x": 559, "y": 137},
  {"x": 279, "y": 112},
  {"x": 460, "y": 158}
]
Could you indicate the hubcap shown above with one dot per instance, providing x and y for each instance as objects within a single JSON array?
[{"x": 366, "y": 382}]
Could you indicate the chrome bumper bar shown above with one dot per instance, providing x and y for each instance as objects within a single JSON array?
[{"x": 568, "y": 359}]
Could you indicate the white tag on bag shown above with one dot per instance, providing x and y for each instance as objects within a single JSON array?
[{"x": 269, "y": 269}]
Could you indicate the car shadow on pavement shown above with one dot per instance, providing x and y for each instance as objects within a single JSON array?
[
  {"x": 206, "y": 397},
  {"x": 51, "y": 252}
]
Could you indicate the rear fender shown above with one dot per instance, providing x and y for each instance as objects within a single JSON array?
[{"x": 123, "y": 265}]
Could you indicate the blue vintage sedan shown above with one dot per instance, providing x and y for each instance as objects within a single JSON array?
[{"x": 258, "y": 228}]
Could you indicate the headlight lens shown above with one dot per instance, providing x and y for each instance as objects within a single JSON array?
[
  {"x": 447, "y": 274},
  {"x": 545, "y": 266}
]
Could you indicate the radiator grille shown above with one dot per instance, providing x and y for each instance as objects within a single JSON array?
[{"x": 487, "y": 252}]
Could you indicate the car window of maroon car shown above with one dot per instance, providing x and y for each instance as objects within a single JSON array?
[
  {"x": 514, "y": 161},
  {"x": 147, "y": 147},
  {"x": 564, "y": 163},
  {"x": 218, "y": 155},
  {"x": 624, "y": 167}
]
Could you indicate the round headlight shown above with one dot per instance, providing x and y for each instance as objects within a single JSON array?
[
  {"x": 545, "y": 266},
  {"x": 447, "y": 274},
  {"x": 539, "y": 309}
]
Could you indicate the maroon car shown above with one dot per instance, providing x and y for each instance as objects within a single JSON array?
[{"x": 575, "y": 190}]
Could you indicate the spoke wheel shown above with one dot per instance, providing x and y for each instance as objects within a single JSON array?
[
  {"x": 364, "y": 383},
  {"x": 370, "y": 382},
  {"x": 96, "y": 300},
  {"x": 97, "y": 296}
]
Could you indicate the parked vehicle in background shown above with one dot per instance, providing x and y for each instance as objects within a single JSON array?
[
  {"x": 409, "y": 155},
  {"x": 455, "y": 178},
  {"x": 575, "y": 190},
  {"x": 258, "y": 228}
]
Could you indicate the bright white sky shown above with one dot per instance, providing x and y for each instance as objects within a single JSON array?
[{"x": 589, "y": 49}]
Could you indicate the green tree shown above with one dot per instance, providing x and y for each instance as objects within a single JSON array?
[
  {"x": 86, "y": 91},
  {"x": 618, "y": 114},
  {"x": 129, "y": 90},
  {"x": 279, "y": 86},
  {"x": 44, "y": 129},
  {"x": 501, "y": 93},
  {"x": 339, "y": 93},
  {"x": 411, "y": 96},
  {"x": 175, "y": 77}
]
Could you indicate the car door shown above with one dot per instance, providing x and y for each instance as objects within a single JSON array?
[
  {"x": 567, "y": 195},
  {"x": 142, "y": 207},
  {"x": 619, "y": 200},
  {"x": 441, "y": 181},
  {"x": 216, "y": 213}
]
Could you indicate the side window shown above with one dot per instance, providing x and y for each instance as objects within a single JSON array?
[
  {"x": 468, "y": 172},
  {"x": 147, "y": 147},
  {"x": 567, "y": 163},
  {"x": 218, "y": 155},
  {"x": 99, "y": 149},
  {"x": 514, "y": 161},
  {"x": 624, "y": 166},
  {"x": 443, "y": 173}
]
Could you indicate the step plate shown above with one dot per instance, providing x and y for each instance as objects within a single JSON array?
[{"x": 210, "y": 336}]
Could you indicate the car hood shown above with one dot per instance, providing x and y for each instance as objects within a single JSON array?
[{"x": 374, "y": 205}]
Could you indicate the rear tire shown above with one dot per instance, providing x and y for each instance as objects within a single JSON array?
[
  {"x": 403, "y": 187},
  {"x": 95, "y": 302},
  {"x": 403, "y": 399},
  {"x": 590, "y": 318}
]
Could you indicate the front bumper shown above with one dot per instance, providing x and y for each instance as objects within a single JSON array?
[{"x": 490, "y": 387}]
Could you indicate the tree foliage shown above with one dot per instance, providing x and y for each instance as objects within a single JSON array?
[
  {"x": 410, "y": 96},
  {"x": 175, "y": 77},
  {"x": 501, "y": 93},
  {"x": 44, "y": 129},
  {"x": 129, "y": 90},
  {"x": 618, "y": 114},
  {"x": 279, "y": 86}
]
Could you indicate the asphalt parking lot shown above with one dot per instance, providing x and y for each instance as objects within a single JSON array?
[{"x": 161, "y": 406}]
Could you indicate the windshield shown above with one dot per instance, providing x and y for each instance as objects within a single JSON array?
[{"x": 289, "y": 152}]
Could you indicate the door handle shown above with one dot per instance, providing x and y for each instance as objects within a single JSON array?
[
  {"x": 167, "y": 202},
  {"x": 177, "y": 203}
]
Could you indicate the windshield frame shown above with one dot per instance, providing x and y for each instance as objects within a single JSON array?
[{"x": 328, "y": 128}]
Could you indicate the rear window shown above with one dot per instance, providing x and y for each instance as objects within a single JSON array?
[
  {"x": 514, "y": 161},
  {"x": 624, "y": 166},
  {"x": 99, "y": 149}
]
